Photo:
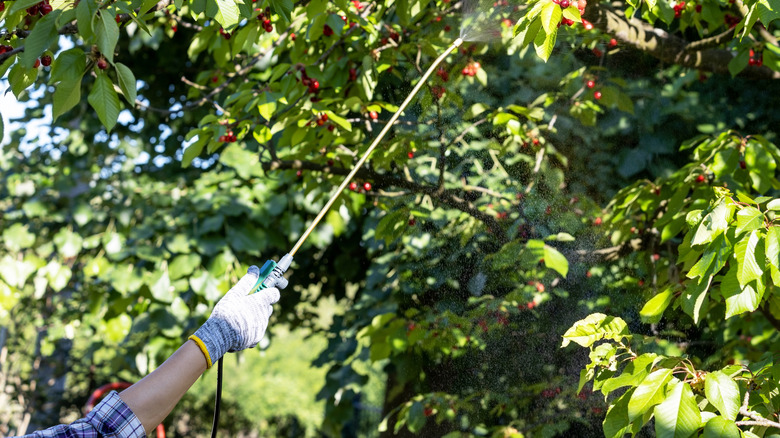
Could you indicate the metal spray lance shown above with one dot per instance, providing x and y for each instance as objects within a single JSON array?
[{"x": 272, "y": 273}]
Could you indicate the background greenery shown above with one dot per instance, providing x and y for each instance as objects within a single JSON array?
[{"x": 621, "y": 195}]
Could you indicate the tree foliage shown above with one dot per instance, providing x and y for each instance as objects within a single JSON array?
[{"x": 185, "y": 140}]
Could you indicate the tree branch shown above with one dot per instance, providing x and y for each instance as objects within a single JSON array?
[
  {"x": 665, "y": 46},
  {"x": 757, "y": 420},
  {"x": 449, "y": 198}
]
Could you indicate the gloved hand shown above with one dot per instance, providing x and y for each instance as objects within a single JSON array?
[{"x": 238, "y": 320}]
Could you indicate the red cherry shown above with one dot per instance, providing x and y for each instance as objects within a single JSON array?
[
  {"x": 656, "y": 257},
  {"x": 564, "y": 4},
  {"x": 591, "y": 84},
  {"x": 118, "y": 18},
  {"x": 298, "y": 174},
  {"x": 367, "y": 186},
  {"x": 37, "y": 63},
  {"x": 45, "y": 9},
  {"x": 327, "y": 31},
  {"x": 612, "y": 42},
  {"x": 698, "y": 8},
  {"x": 292, "y": 36},
  {"x": 597, "y": 95},
  {"x": 412, "y": 222},
  {"x": 373, "y": 115},
  {"x": 429, "y": 411},
  {"x": 46, "y": 60},
  {"x": 742, "y": 164},
  {"x": 410, "y": 154},
  {"x": 2, "y": 6},
  {"x": 353, "y": 186},
  {"x": 597, "y": 221},
  {"x": 700, "y": 179},
  {"x": 352, "y": 74},
  {"x": 102, "y": 64}
]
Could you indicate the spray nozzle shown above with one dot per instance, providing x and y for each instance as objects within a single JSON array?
[{"x": 272, "y": 274}]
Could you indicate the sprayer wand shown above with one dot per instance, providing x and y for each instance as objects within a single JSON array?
[{"x": 272, "y": 273}]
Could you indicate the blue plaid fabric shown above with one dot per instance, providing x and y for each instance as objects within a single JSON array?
[{"x": 111, "y": 418}]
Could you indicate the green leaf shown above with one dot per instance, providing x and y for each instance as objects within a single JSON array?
[
  {"x": 720, "y": 427},
  {"x": 43, "y": 35},
  {"x": 66, "y": 96},
  {"x": 634, "y": 373},
  {"x": 194, "y": 149},
  {"x": 723, "y": 393},
  {"x": 616, "y": 421},
  {"x": 117, "y": 328},
  {"x": 20, "y": 78},
  {"x": 107, "y": 33},
  {"x": 713, "y": 259},
  {"x": 527, "y": 31},
  {"x": 104, "y": 100},
  {"x": 695, "y": 298},
  {"x": 68, "y": 66},
  {"x": 126, "y": 82},
  {"x": 678, "y": 416},
  {"x": 19, "y": 5},
  {"x": 739, "y": 62},
  {"x": 416, "y": 417},
  {"x": 16, "y": 237},
  {"x": 161, "y": 288},
  {"x": 654, "y": 309},
  {"x": 768, "y": 11},
  {"x": 649, "y": 393},
  {"x": 773, "y": 252},
  {"x": 551, "y": 16},
  {"x": 740, "y": 299},
  {"x": 553, "y": 259},
  {"x": 773, "y": 205},
  {"x": 283, "y": 8},
  {"x": 595, "y": 327},
  {"x": 749, "y": 219},
  {"x": 344, "y": 123},
  {"x": 68, "y": 243},
  {"x": 713, "y": 224},
  {"x": 745, "y": 253},
  {"x": 228, "y": 15},
  {"x": 85, "y": 12},
  {"x": 183, "y": 265},
  {"x": 545, "y": 43},
  {"x": 572, "y": 13}
]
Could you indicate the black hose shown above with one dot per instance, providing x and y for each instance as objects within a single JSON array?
[{"x": 218, "y": 400}]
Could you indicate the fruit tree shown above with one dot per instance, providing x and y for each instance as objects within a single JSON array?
[{"x": 597, "y": 173}]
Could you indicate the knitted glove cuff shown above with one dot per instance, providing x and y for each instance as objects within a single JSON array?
[{"x": 212, "y": 338}]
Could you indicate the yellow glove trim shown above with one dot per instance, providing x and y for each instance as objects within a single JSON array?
[{"x": 203, "y": 348}]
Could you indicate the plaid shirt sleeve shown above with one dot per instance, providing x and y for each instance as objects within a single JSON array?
[{"x": 111, "y": 418}]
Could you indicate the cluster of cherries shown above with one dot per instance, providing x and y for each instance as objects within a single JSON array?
[
  {"x": 590, "y": 84},
  {"x": 229, "y": 137},
  {"x": 4, "y": 48},
  {"x": 678, "y": 8},
  {"x": 313, "y": 84},
  {"x": 322, "y": 119},
  {"x": 471, "y": 69},
  {"x": 442, "y": 73},
  {"x": 41, "y": 8},
  {"x": 354, "y": 186},
  {"x": 756, "y": 58},
  {"x": 265, "y": 18}
]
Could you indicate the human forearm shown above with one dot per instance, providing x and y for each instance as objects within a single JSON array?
[{"x": 153, "y": 397}]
